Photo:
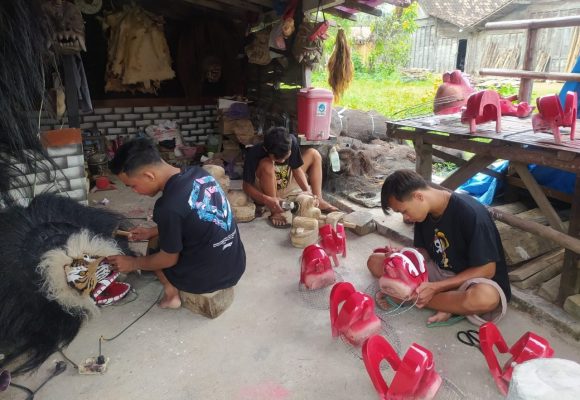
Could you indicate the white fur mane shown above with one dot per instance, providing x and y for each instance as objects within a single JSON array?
[{"x": 51, "y": 268}]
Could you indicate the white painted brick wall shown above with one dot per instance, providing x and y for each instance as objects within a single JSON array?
[{"x": 195, "y": 121}]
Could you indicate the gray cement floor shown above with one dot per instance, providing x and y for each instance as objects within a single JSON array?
[{"x": 269, "y": 345}]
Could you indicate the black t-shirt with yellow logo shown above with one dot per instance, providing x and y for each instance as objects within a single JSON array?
[{"x": 465, "y": 236}]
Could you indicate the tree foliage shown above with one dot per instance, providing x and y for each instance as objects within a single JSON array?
[{"x": 390, "y": 40}]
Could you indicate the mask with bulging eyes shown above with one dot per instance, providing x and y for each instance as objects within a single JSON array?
[{"x": 93, "y": 276}]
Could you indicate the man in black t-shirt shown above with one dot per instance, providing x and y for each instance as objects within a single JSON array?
[
  {"x": 199, "y": 241},
  {"x": 462, "y": 248},
  {"x": 276, "y": 169}
]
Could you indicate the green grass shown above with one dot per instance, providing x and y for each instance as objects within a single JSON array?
[
  {"x": 386, "y": 96},
  {"x": 389, "y": 95}
]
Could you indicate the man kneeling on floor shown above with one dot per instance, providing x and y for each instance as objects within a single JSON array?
[
  {"x": 200, "y": 250},
  {"x": 276, "y": 169},
  {"x": 464, "y": 256}
]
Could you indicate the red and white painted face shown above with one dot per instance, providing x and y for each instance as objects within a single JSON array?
[
  {"x": 414, "y": 209},
  {"x": 141, "y": 182}
]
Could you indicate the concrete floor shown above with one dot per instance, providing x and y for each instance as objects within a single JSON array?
[{"x": 271, "y": 344}]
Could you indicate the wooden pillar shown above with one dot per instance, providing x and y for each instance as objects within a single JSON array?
[
  {"x": 424, "y": 158},
  {"x": 570, "y": 283},
  {"x": 526, "y": 84}
]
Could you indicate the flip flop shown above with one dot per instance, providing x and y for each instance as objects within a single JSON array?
[
  {"x": 392, "y": 304},
  {"x": 282, "y": 226},
  {"x": 329, "y": 209},
  {"x": 451, "y": 321}
]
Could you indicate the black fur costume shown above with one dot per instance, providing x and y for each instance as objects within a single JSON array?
[{"x": 34, "y": 321}]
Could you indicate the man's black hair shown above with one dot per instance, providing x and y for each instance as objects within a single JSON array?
[
  {"x": 133, "y": 155},
  {"x": 400, "y": 185},
  {"x": 277, "y": 142}
]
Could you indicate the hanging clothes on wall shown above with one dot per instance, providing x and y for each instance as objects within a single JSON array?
[{"x": 138, "y": 54}]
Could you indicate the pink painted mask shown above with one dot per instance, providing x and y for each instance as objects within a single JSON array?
[
  {"x": 528, "y": 347},
  {"x": 356, "y": 319},
  {"x": 415, "y": 376},
  {"x": 404, "y": 271},
  {"x": 316, "y": 269}
]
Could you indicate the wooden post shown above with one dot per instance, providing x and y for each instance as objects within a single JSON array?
[
  {"x": 526, "y": 84},
  {"x": 539, "y": 196},
  {"x": 424, "y": 160},
  {"x": 72, "y": 97},
  {"x": 570, "y": 283}
]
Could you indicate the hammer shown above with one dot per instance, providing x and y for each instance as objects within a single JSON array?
[{"x": 361, "y": 222}]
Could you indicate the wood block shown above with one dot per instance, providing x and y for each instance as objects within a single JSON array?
[
  {"x": 522, "y": 246},
  {"x": 549, "y": 290},
  {"x": 210, "y": 305},
  {"x": 572, "y": 305},
  {"x": 542, "y": 276},
  {"x": 364, "y": 222},
  {"x": 537, "y": 265}
]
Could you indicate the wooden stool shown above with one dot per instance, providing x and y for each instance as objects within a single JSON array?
[{"x": 210, "y": 305}]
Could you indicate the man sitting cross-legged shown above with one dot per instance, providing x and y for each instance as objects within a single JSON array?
[
  {"x": 277, "y": 169},
  {"x": 462, "y": 248}
]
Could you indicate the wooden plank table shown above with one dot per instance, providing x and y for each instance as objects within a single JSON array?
[{"x": 517, "y": 143}]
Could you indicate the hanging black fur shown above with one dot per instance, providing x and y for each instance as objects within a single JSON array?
[
  {"x": 24, "y": 38},
  {"x": 31, "y": 325}
]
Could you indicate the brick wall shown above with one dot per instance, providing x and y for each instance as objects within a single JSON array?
[
  {"x": 196, "y": 122},
  {"x": 66, "y": 150}
]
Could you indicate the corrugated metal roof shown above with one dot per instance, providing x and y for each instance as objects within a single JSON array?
[{"x": 463, "y": 13}]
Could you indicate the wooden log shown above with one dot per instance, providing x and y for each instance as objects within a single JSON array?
[
  {"x": 556, "y": 22},
  {"x": 536, "y": 265},
  {"x": 361, "y": 125},
  {"x": 566, "y": 241},
  {"x": 515, "y": 73},
  {"x": 512, "y": 208}
]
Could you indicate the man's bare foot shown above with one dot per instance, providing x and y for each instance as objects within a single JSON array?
[
  {"x": 325, "y": 206},
  {"x": 171, "y": 302},
  {"x": 381, "y": 301},
  {"x": 439, "y": 316},
  {"x": 278, "y": 220}
]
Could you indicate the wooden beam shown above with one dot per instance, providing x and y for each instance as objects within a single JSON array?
[
  {"x": 341, "y": 14},
  {"x": 514, "y": 73},
  {"x": 470, "y": 168},
  {"x": 424, "y": 159},
  {"x": 539, "y": 196},
  {"x": 460, "y": 161},
  {"x": 362, "y": 7},
  {"x": 309, "y": 6},
  {"x": 570, "y": 283},
  {"x": 212, "y": 5},
  {"x": 244, "y": 5},
  {"x": 504, "y": 152},
  {"x": 557, "y": 22},
  {"x": 265, "y": 3},
  {"x": 554, "y": 194}
]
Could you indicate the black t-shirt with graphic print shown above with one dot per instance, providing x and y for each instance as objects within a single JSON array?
[
  {"x": 464, "y": 236},
  {"x": 194, "y": 219},
  {"x": 257, "y": 152}
]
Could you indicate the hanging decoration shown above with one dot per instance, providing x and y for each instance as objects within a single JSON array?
[
  {"x": 138, "y": 54},
  {"x": 340, "y": 67}
]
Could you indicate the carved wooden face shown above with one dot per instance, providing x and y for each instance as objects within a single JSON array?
[
  {"x": 214, "y": 73},
  {"x": 67, "y": 24}
]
